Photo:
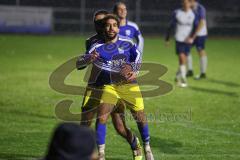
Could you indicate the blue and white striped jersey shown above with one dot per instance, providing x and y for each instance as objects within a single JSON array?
[
  {"x": 112, "y": 56},
  {"x": 132, "y": 31}
]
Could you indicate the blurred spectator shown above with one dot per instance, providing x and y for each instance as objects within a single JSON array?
[{"x": 72, "y": 142}]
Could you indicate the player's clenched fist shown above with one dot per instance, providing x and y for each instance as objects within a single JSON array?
[
  {"x": 127, "y": 73},
  {"x": 86, "y": 59},
  {"x": 91, "y": 57},
  {"x": 189, "y": 40}
]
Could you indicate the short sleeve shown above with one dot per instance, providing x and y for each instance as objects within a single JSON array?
[
  {"x": 137, "y": 32},
  {"x": 173, "y": 21},
  {"x": 202, "y": 12}
]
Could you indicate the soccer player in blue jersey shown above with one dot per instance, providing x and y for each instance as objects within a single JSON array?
[
  {"x": 183, "y": 20},
  {"x": 128, "y": 28},
  {"x": 116, "y": 52},
  {"x": 199, "y": 38},
  {"x": 93, "y": 93}
]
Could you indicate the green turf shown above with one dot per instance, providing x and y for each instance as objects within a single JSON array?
[{"x": 27, "y": 102}]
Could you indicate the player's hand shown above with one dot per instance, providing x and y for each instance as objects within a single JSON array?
[
  {"x": 92, "y": 56},
  {"x": 189, "y": 40},
  {"x": 128, "y": 73},
  {"x": 131, "y": 76}
]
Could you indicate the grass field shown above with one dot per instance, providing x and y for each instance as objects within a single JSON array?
[{"x": 27, "y": 102}]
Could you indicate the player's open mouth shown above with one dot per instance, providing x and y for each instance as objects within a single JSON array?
[{"x": 111, "y": 33}]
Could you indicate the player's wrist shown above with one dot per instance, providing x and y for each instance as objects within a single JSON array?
[{"x": 194, "y": 36}]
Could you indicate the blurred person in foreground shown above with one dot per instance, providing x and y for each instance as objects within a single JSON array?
[{"x": 72, "y": 142}]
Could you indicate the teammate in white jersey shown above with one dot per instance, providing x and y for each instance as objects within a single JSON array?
[
  {"x": 199, "y": 39},
  {"x": 183, "y": 20}
]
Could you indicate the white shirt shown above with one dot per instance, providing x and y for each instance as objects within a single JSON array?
[
  {"x": 184, "y": 24},
  {"x": 200, "y": 13}
]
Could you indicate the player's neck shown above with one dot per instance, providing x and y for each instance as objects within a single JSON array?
[
  {"x": 186, "y": 9},
  {"x": 100, "y": 35},
  {"x": 195, "y": 5},
  {"x": 112, "y": 40},
  {"x": 123, "y": 22}
]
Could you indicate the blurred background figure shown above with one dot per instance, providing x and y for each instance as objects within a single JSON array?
[
  {"x": 73, "y": 16},
  {"x": 128, "y": 28},
  {"x": 199, "y": 38},
  {"x": 182, "y": 21},
  {"x": 72, "y": 142}
]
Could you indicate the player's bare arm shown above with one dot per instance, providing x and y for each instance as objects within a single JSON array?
[
  {"x": 86, "y": 59},
  {"x": 190, "y": 40}
]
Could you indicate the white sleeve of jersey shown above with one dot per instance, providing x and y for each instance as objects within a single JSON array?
[
  {"x": 139, "y": 38},
  {"x": 140, "y": 43}
]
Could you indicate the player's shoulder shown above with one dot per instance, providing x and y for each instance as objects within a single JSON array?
[
  {"x": 200, "y": 8},
  {"x": 95, "y": 46},
  {"x": 125, "y": 39},
  {"x": 177, "y": 11},
  {"x": 133, "y": 24},
  {"x": 93, "y": 41},
  {"x": 94, "y": 37}
]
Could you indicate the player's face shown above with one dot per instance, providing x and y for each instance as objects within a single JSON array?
[
  {"x": 122, "y": 11},
  {"x": 98, "y": 23},
  {"x": 186, "y": 4},
  {"x": 192, "y": 3},
  {"x": 111, "y": 29}
]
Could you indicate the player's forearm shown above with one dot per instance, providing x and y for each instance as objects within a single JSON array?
[
  {"x": 138, "y": 62},
  {"x": 198, "y": 29},
  {"x": 81, "y": 62},
  {"x": 136, "y": 67},
  {"x": 140, "y": 40},
  {"x": 167, "y": 36}
]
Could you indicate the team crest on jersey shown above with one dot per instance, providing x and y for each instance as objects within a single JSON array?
[
  {"x": 128, "y": 32},
  {"x": 120, "y": 50}
]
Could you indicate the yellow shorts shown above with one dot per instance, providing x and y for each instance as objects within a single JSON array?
[
  {"x": 129, "y": 93},
  {"x": 91, "y": 98}
]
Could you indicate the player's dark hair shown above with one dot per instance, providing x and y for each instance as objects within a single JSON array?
[
  {"x": 111, "y": 16},
  {"x": 99, "y": 12},
  {"x": 115, "y": 7}
]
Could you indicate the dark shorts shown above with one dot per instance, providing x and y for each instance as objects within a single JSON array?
[
  {"x": 199, "y": 42},
  {"x": 182, "y": 47}
]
